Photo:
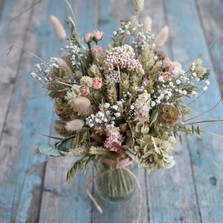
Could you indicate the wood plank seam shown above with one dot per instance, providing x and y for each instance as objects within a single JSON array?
[
  {"x": 194, "y": 179},
  {"x": 147, "y": 194}
]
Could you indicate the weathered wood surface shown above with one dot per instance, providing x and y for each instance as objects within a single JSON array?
[{"x": 33, "y": 189}]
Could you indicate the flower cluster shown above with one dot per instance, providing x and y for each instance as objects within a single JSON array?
[
  {"x": 114, "y": 139},
  {"x": 126, "y": 100},
  {"x": 122, "y": 57}
]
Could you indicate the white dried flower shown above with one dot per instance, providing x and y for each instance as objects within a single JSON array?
[
  {"x": 178, "y": 81},
  {"x": 207, "y": 82},
  {"x": 58, "y": 27},
  {"x": 106, "y": 105},
  {"x": 172, "y": 139},
  {"x": 142, "y": 107},
  {"x": 205, "y": 88},
  {"x": 194, "y": 93},
  {"x": 86, "y": 81}
]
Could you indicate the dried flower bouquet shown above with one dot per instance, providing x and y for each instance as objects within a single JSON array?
[{"x": 121, "y": 102}]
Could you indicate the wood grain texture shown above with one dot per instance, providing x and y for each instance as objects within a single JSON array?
[
  {"x": 33, "y": 188},
  {"x": 21, "y": 166},
  {"x": 211, "y": 15},
  {"x": 10, "y": 34},
  {"x": 171, "y": 193},
  {"x": 204, "y": 152},
  {"x": 64, "y": 201}
]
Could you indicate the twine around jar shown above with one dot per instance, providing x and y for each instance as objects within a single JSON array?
[{"x": 118, "y": 164}]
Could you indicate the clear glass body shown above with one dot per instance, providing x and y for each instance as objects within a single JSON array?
[{"x": 115, "y": 182}]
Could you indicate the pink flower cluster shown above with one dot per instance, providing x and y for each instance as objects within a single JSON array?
[
  {"x": 122, "y": 57},
  {"x": 97, "y": 83},
  {"x": 169, "y": 67},
  {"x": 114, "y": 138},
  {"x": 96, "y": 35}
]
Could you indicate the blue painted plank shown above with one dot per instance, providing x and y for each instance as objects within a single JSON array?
[
  {"x": 211, "y": 15},
  {"x": 171, "y": 192},
  {"x": 63, "y": 201},
  {"x": 206, "y": 153},
  {"x": 10, "y": 33},
  {"x": 21, "y": 166}
]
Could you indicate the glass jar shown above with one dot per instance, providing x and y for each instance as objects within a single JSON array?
[{"x": 115, "y": 181}]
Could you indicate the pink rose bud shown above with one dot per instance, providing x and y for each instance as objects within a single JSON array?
[
  {"x": 88, "y": 37},
  {"x": 97, "y": 35},
  {"x": 97, "y": 83},
  {"x": 84, "y": 91},
  {"x": 96, "y": 49}
]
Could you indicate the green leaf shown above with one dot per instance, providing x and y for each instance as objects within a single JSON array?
[
  {"x": 49, "y": 150},
  {"x": 64, "y": 145},
  {"x": 154, "y": 116},
  {"x": 81, "y": 137}
]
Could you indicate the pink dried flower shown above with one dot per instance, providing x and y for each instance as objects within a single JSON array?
[
  {"x": 97, "y": 35},
  {"x": 82, "y": 105},
  {"x": 122, "y": 57},
  {"x": 88, "y": 37},
  {"x": 114, "y": 139},
  {"x": 166, "y": 75},
  {"x": 112, "y": 145},
  {"x": 96, "y": 49},
  {"x": 168, "y": 65},
  {"x": 84, "y": 91},
  {"x": 97, "y": 83},
  {"x": 115, "y": 76}
]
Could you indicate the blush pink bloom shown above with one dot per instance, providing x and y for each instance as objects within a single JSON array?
[
  {"x": 112, "y": 145},
  {"x": 84, "y": 91},
  {"x": 97, "y": 83},
  {"x": 97, "y": 35},
  {"x": 168, "y": 65},
  {"x": 88, "y": 37},
  {"x": 171, "y": 68},
  {"x": 114, "y": 138},
  {"x": 166, "y": 75},
  {"x": 96, "y": 49}
]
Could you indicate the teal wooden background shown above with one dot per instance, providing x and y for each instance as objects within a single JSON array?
[{"x": 33, "y": 188}]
